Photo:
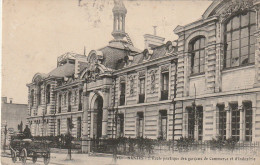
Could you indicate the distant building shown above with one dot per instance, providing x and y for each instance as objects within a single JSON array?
[
  {"x": 12, "y": 114},
  {"x": 204, "y": 86}
]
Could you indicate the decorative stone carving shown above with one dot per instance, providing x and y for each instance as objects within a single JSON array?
[
  {"x": 142, "y": 74},
  {"x": 122, "y": 79},
  {"x": 105, "y": 90},
  {"x": 153, "y": 75},
  {"x": 92, "y": 74},
  {"x": 165, "y": 68},
  {"x": 235, "y": 6},
  {"x": 147, "y": 54},
  {"x": 131, "y": 82}
]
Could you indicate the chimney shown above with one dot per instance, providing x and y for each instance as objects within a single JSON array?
[
  {"x": 4, "y": 99},
  {"x": 152, "y": 41},
  {"x": 11, "y": 100}
]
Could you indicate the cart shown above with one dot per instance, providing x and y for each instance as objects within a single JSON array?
[{"x": 24, "y": 148}]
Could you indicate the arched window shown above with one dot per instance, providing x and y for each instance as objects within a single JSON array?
[
  {"x": 39, "y": 97},
  {"x": 197, "y": 50},
  {"x": 69, "y": 102},
  {"x": 239, "y": 40},
  {"x": 32, "y": 97},
  {"x": 48, "y": 94}
]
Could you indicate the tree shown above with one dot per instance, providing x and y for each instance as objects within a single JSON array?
[
  {"x": 5, "y": 133},
  {"x": 20, "y": 127},
  {"x": 27, "y": 132}
]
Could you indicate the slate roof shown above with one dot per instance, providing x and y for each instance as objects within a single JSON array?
[
  {"x": 158, "y": 52},
  {"x": 64, "y": 70},
  {"x": 115, "y": 52}
]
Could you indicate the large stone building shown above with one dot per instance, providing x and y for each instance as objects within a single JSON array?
[
  {"x": 12, "y": 114},
  {"x": 204, "y": 85}
]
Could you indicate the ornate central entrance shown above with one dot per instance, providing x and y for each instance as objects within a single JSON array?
[{"x": 98, "y": 117}]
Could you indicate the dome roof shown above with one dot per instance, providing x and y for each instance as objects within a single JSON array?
[{"x": 119, "y": 7}]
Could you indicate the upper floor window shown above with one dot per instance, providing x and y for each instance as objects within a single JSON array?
[
  {"x": 32, "y": 97},
  {"x": 48, "y": 94},
  {"x": 197, "y": 50},
  {"x": 59, "y": 104},
  {"x": 39, "y": 97},
  {"x": 165, "y": 86},
  {"x": 142, "y": 90},
  {"x": 69, "y": 102},
  {"x": 80, "y": 99},
  {"x": 65, "y": 99},
  {"x": 240, "y": 40},
  {"x": 122, "y": 93}
]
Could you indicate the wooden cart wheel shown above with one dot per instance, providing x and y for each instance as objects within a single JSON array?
[
  {"x": 34, "y": 158},
  {"x": 13, "y": 155},
  {"x": 23, "y": 156},
  {"x": 46, "y": 158}
]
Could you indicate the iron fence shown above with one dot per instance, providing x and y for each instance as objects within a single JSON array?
[{"x": 144, "y": 146}]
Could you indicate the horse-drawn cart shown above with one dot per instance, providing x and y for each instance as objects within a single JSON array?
[{"x": 24, "y": 148}]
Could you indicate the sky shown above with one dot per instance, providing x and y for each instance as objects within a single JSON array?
[{"x": 35, "y": 33}]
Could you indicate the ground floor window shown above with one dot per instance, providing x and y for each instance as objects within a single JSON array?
[
  {"x": 200, "y": 122},
  {"x": 222, "y": 121},
  {"x": 79, "y": 127},
  {"x": 58, "y": 127},
  {"x": 163, "y": 124},
  {"x": 68, "y": 125},
  {"x": 235, "y": 121},
  {"x": 191, "y": 122},
  {"x": 248, "y": 120},
  {"x": 140, "y": 124},
  {"x": 120, "y": 125}
]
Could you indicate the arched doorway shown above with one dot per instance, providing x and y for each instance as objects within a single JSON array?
[{"x": 98, "y": 117}]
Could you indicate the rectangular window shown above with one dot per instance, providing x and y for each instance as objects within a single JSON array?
[
  {"x": 235, "y": 121},
  {"x": 191, "y": 122},
  {"x": 68, "y": 125},
  {"x": 59, "y": 104},
  {"x": 248, "y": 120},
  {"x": 75, "y": 98},
  {"x": 120, "y": 125},
  {"x": 163, "y": 124},
  {"x": 122, "y": 93},
  {"x": 142, "y": 90},
  {"x": 222, "y": 121},
  {"x": 69, "y": 102},
  {"x": 79, "y": 127},
  {"x": 58, "y": 127},
  {"x": 80, "y": 99},
  {"x": 200, "y": 122},
  {"x": 165, "y": 86},
  {"x": 65, "y": 99},
  {"x": 140, "y": 124}
]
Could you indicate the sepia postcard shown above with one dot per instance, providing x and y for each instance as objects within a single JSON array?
[{"x": 147, "y": 82}]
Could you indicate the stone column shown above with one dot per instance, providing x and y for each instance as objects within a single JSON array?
[
  {"x": 241, "y": 121},
  {"x": 228, "y": 122},
  {"x": 104, "y": 123},
  {"x": 105, "y": 92},
  {"x": 85, "y": 138}
]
